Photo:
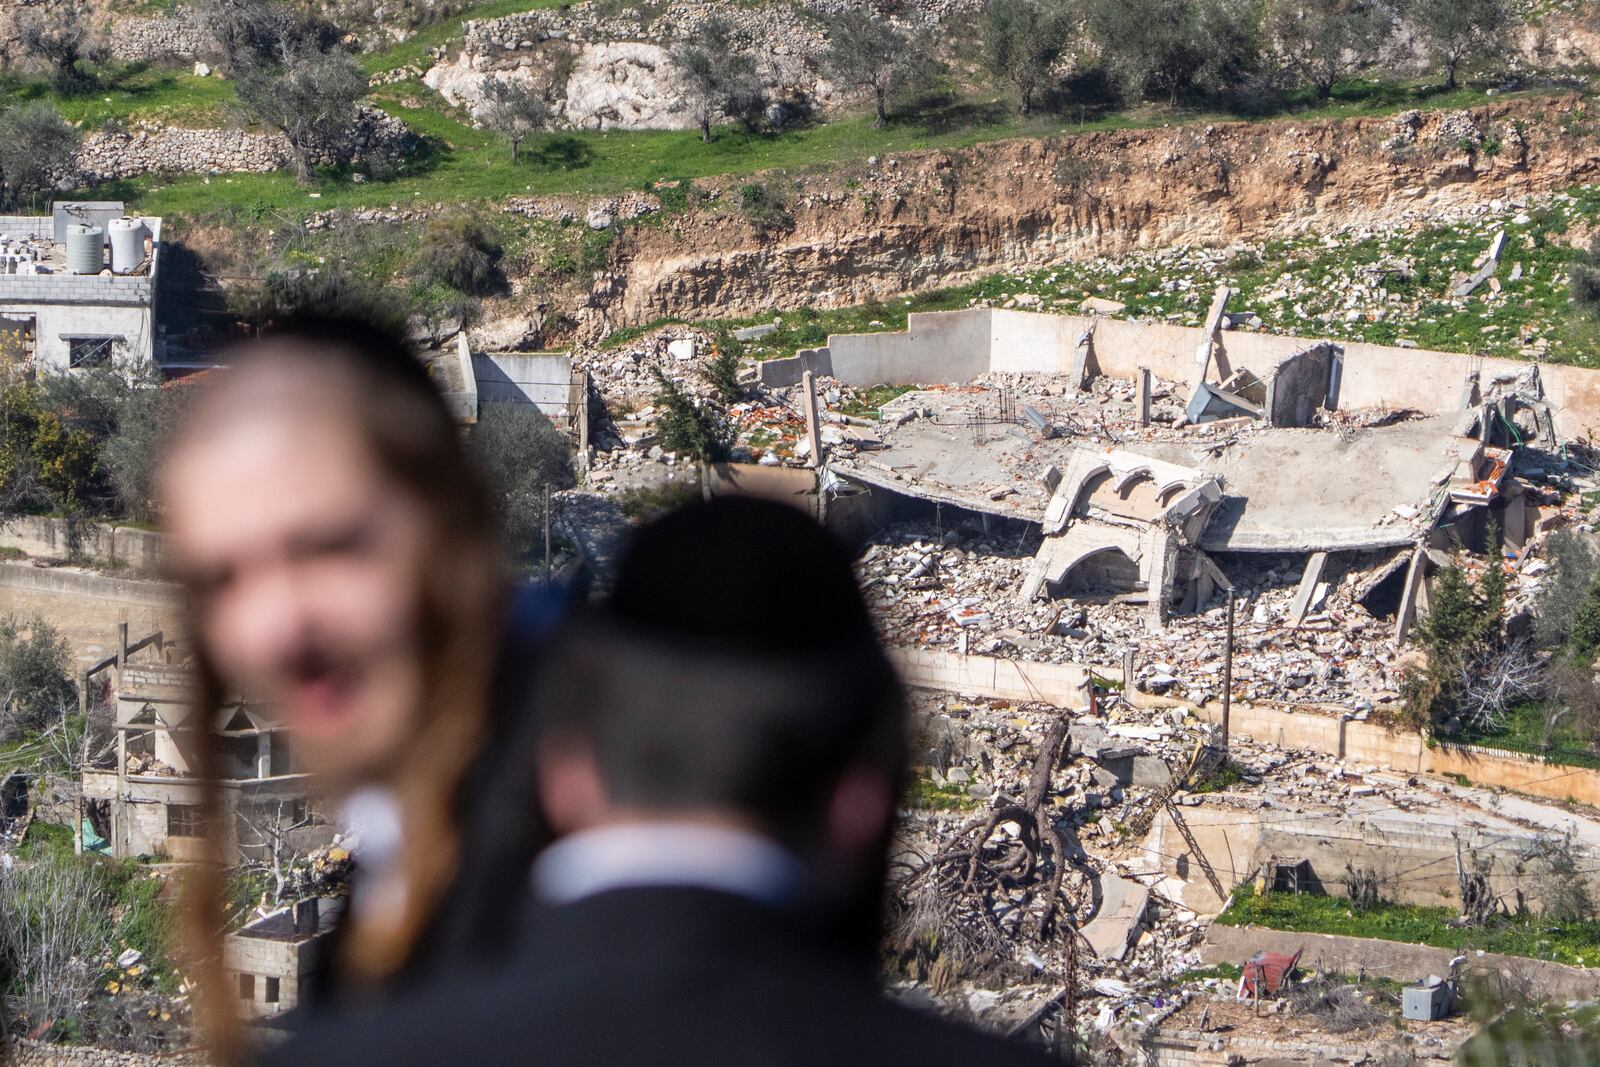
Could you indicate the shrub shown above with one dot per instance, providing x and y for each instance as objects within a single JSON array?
[
  {"x": 765, "y": 208},
  {"x": 695, "y": 429},
  {"x": 520, "y": 452},
  {"x": 34, "y": 685},
  {"x": 460, "y": 252},
  {"x": 723, "y": 369}
]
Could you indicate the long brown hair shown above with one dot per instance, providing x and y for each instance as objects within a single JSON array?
[{"x": 378, "y": 385}]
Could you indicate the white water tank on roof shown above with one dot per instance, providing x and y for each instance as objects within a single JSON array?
[
  {"x": 127, "y": 244},
  {"x": 85, "y": 249}
]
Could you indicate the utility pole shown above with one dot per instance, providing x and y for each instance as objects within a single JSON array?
[
  {"x": 547, "y": 531},
  {"x": 1227, "y": 673}
]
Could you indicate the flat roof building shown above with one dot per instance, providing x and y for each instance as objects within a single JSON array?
[{"x": 78, "y": 287}]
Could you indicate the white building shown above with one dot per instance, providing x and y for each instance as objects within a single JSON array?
[{"x": 78, "y": 286}]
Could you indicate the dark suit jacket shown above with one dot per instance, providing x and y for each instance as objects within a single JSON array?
[{"x": 654, "y": 976}]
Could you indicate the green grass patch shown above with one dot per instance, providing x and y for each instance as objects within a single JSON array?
[
  {"x": 12, "y": 552},
  {"x": 867, "y": 403},
  {"x": 45, "y": 839},
  {"x": 1574, "y": 943},
  {"x": 923, "y": 793},
  {"x": 128, "y": 94},
  {"x": 1523, "y": 730}
]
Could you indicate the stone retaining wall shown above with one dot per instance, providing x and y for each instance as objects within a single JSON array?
[
  {"x": 176, "y": 35},
  {"x": 376, "y": 137}
]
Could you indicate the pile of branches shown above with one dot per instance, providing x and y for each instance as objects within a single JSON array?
[{"x": 965, "y": 910}]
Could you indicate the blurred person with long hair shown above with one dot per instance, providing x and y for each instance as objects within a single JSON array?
[
  {"x": 723, "y": 794},
  {"x": 342, "y": 565}
]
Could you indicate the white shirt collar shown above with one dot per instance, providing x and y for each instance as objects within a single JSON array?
[{"x": 674, "y": 854}]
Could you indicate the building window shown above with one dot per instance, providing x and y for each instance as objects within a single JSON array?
[
  {"x": 247, "y": 987},
  {"x": 271, "y": 995},
  {"x": 185, "y": 820},
  {"x": 83, "y": 352}
]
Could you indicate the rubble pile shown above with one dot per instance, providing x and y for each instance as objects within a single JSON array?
[
  {"x": 995, "y": 935},
  {"x": 955, "y": 588}
]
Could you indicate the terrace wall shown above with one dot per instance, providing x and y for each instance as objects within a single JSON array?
[{"x": 1291, "y": 727}]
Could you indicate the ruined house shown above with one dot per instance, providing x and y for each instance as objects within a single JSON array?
[
  {"x": 1148, "y": 463},
  {"x": 144, "y": 797},
  {"x": 269, "y": 961}
]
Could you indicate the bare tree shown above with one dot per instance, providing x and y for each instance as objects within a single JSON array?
[
  {"x": 515, "y": 111},
  {"x": 54, "y": 931},
  {"x": 266, "y": 840},
  {"x": 717, "y": 79},
  {"x": 869, "y": 52},
  {"x": 1492, "y": 683}
]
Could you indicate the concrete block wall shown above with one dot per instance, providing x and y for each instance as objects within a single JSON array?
[
  {"x": 940, "y": 346},
  {"x": 122, "y": 546},
  {"x": 1062, "y": 684},
  {"x": 86, "y": 607}
]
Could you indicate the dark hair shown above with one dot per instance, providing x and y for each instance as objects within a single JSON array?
[
  {"x": 734, "y": 667},
  {"x": 375, "y": 382}
]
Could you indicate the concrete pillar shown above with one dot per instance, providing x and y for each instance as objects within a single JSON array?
[
  {"x": 808, "y": 397},
  {"x": 1408, "y": 599},
  {"x": 263, "y": 755},
  {"x": 1144, "y": 396},
  {"x": 1308, "y": 588}
]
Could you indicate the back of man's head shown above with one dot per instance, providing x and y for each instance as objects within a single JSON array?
[{"x": 734, "y": 670}]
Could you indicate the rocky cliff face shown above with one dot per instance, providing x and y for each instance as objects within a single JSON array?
[{"x": 930, "y": 219}]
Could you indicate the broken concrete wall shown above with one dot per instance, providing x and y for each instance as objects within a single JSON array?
[
  {"x": 936, "y": 349},
  {"x": 1021, "y": 341},
  {"x": 1303, "y": 384}
]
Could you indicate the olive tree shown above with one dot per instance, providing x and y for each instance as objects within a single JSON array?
[
  {"x": 1022, "y": 41},
  {"x": 58, "y": 37},
  {"x": 717, "y": 79},
  {"x": 1458, "y": 30},
  {"x": 868, "y": 52},
  {"x": 311, "y": 100},
  {"x": 515, "y": 111},
  {"x": 37, "y": 148},
  {"x": 1168, "y": 49},
  {"x": 1322, "y": 41}
]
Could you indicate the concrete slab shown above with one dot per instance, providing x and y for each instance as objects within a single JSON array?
[{"x": 1122, "y": 904}]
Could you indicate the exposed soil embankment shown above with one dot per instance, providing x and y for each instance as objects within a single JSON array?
[{"x": 929, "y": 219}]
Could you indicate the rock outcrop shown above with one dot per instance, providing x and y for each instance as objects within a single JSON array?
[{"x": 937, "y": 218}]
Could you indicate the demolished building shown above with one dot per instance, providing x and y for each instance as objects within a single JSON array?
[
  {"x": 1143, "y": 462},
  {"x": 145, "y": 797}
]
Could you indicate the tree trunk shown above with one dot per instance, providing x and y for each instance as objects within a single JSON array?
[
  {"x": 302, "y": 166},
  {"x": 705, "y": 131},
  {"x": 1450, "y": 73},
  {"x": 883, "y": 110}
]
